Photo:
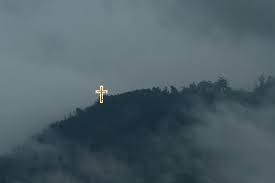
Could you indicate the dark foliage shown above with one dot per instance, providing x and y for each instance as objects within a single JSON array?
[{"x": 126, "y": 126}]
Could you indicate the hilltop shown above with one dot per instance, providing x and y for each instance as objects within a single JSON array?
[{"x": 147, "y": 135}]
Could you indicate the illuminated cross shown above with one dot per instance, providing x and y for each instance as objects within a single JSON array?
[{"x": 101, "y": 93}]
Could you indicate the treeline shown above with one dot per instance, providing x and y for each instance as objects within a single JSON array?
[{"x": 139, "y": 128}]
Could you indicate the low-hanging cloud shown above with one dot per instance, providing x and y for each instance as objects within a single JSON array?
[
  {"x": 237, "y": 143},
  {"x": 233, "y": 143}
]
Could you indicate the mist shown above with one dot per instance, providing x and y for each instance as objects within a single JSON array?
[
  {"x": 233, "y": 143},
  {"x": 238, "y": 143},
  {"x": 54, "y": 54}
]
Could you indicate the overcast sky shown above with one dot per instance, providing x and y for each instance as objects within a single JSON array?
[{"x": 54, "y": 53}]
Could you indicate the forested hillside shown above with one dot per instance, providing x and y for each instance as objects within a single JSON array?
[{"x": 207, "y": 132}]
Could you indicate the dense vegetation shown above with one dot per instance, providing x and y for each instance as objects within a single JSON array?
[{"x": 133, "y": 137}]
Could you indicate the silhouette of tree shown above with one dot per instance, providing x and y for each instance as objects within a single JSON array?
[{"x": 173, "y": 90}]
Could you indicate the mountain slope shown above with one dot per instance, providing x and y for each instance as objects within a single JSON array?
[{"x": 148, "y": 135}]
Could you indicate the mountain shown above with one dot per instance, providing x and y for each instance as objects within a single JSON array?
[{"x": 153, "y": 135}]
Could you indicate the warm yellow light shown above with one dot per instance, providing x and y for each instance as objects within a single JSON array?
[{"x": 101, "y": 93}]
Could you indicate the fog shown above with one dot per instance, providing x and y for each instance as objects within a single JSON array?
[
  {"x": 54, "y": 54},
  {"x": 238, "y": 143},
  {"x": 234, "y": 143}
]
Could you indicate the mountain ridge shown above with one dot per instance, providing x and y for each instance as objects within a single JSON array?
[{"x": 146, "y": 135}]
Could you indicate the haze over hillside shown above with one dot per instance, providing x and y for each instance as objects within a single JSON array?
[
  {"x": 203, "y": 133},
  {"x": 54, "y": 53}
]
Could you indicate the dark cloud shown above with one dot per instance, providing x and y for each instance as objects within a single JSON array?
[
  {"x": 243, "y": 16},
  {"x": 239, "y": 17}
]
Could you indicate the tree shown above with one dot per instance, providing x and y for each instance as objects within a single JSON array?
[
  {"x": 261, "y": 81},
  {"x": 173, "y": 90},
  {"x": 78, "y": 111},
  {"x": 156, "y": 90},
  {"x": 221, "y": 85}
]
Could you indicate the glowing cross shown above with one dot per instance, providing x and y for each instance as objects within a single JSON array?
[{"x": 101, "y": 93}]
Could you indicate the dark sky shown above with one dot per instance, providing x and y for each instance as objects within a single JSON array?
[{"x": 54, "y": 53}]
